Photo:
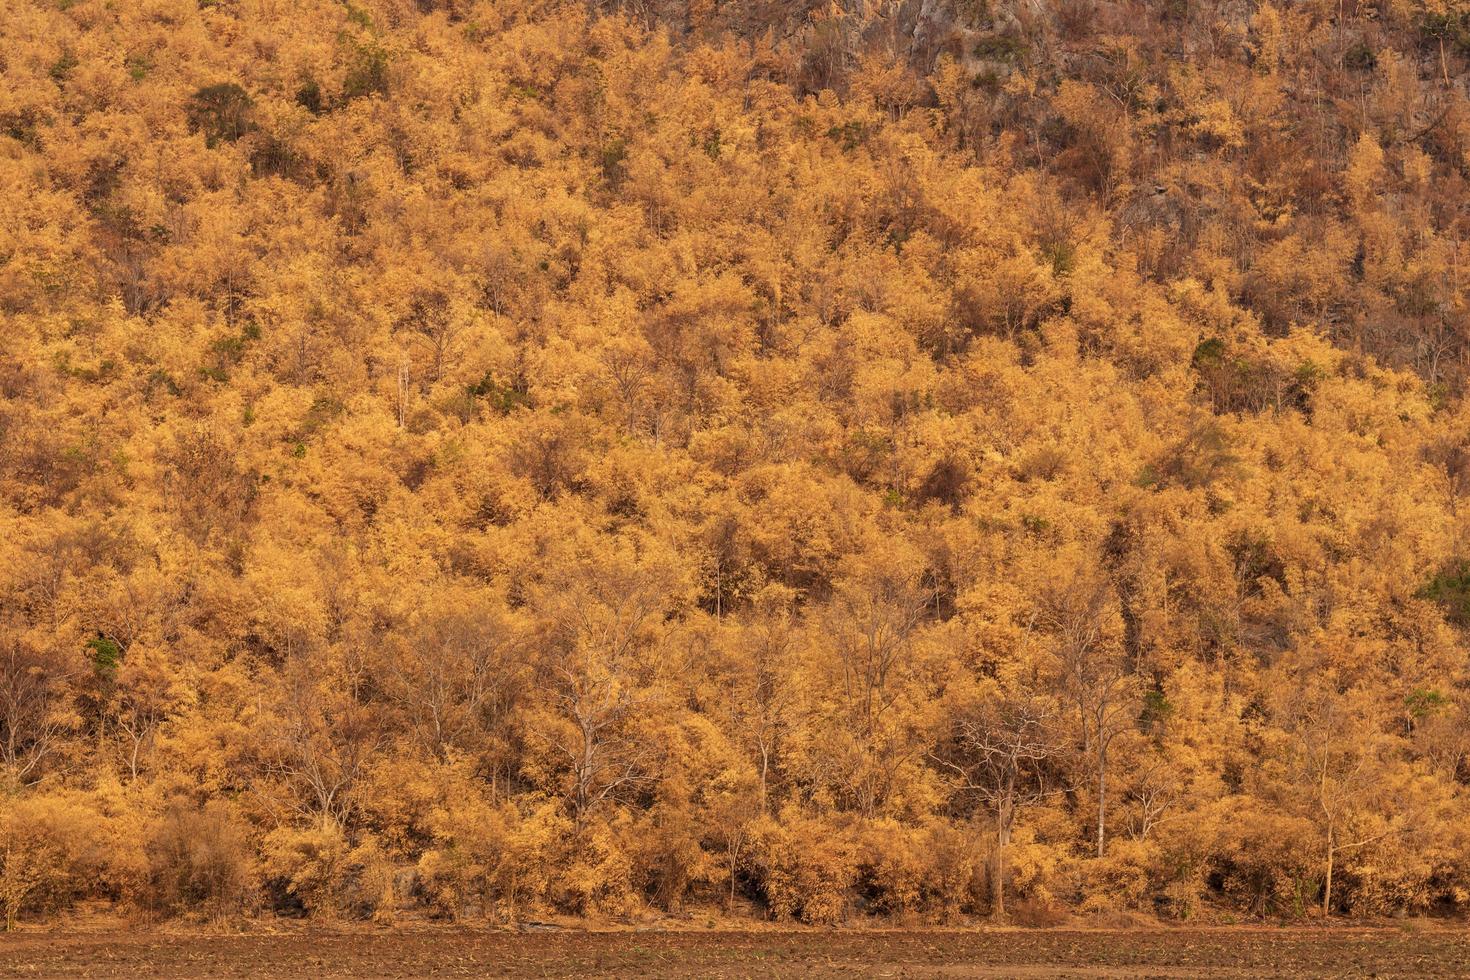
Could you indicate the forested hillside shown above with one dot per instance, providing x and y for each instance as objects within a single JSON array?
[{"x": 498, "y": 458}]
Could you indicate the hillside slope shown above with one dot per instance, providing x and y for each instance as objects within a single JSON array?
[{"x": 507, "y": 459}]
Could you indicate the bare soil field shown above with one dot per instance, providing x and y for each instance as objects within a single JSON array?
[{"x": 1174, "y": 952}]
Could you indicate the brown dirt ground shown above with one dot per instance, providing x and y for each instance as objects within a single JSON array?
[{"x": 1168, "y": 952}]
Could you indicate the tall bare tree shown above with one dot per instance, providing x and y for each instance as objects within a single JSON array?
[
  {"x": 872, "y": 620},
  {"x": 599, "y": 627},
  {"x": 1093, "y": 675},
  {"x": 325, "y": 739},
  {"x": 767, "y": 690},
  {"x": 1339, "y": 761},
  {"x": 455, "y": 672},
  {"x": 1002, "y": 750},
  {"x": 31, "y": 716}
]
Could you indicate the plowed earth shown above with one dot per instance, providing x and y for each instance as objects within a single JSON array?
[{"x": 1175, "y": 952}]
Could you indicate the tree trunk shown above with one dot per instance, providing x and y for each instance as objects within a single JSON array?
[
  {"x": 998, "y": 865},
  {"x": 765, "y": 770},
  {"x": 1327, "y": 884},
  {"x": 1102, "y": 799}
]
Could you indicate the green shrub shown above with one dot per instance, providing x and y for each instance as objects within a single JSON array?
[
  {"x": 221, "y": 112},
  {"x": 1450, "y": 588},
  {"x": 367, "y": 72}
]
